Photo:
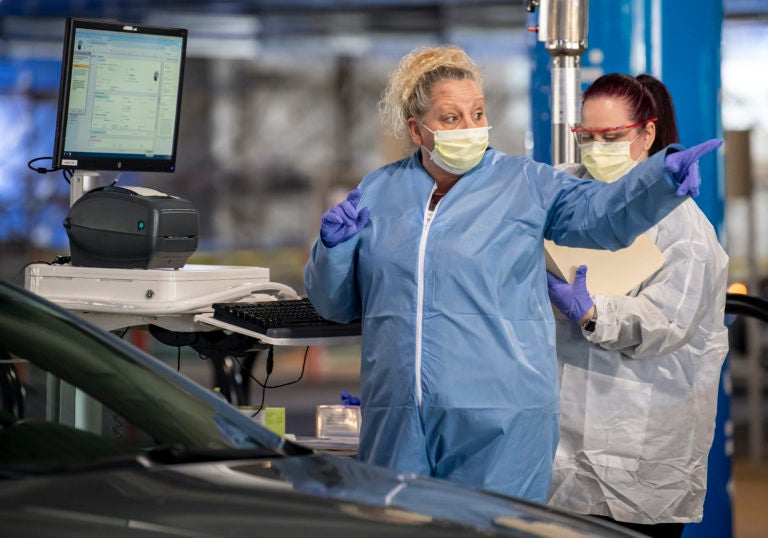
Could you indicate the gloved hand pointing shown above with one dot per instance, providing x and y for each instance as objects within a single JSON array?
[
  {"x": 343, "y": 221},
  {"x": 573, "y": 300},
  {"x": 684, "y": 166}
]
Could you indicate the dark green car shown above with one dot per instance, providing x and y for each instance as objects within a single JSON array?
[{"x": 145, "y": 451}]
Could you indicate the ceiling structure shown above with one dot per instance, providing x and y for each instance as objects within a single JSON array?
[
  {"x": 31, "y": 30},
  {"x": 397, "y": 15},
  {"x": 287, "y": 17},
  {"x": 39, "y": 21}
]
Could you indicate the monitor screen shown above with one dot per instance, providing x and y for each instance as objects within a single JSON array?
[{"x": 119, "y": 97}]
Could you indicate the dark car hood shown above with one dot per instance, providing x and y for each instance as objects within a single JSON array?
[{"x": 314, "y": 495}]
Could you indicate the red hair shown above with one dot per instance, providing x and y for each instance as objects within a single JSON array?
[{"x": 646, "y": 97}]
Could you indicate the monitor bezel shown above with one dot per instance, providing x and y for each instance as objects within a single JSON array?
[{"x": 110, "y": 163}]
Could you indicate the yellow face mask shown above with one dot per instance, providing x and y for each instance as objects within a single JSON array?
[
  {"x": 607, "y": 161},
  {"x": 459, "y": 150}
]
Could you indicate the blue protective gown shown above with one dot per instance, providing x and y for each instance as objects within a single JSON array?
[{"x": 459, "y": 375}]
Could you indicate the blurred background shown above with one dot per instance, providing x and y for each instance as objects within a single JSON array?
[{"x": 279, "y": 120}]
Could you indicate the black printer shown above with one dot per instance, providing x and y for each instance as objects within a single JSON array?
[{"x": 131, "y": 228}]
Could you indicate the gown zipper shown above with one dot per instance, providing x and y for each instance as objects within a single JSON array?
[{"x": 429, "y": 216}]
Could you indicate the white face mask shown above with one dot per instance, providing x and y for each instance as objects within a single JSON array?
[
  {"x": 459, "y": 150},
  {"x": 608, "y": 161}
]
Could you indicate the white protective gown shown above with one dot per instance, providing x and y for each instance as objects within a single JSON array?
[{"x": 639, "y": 394}]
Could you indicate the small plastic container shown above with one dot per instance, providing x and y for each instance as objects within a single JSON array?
[{"x": 333, "y": 421}]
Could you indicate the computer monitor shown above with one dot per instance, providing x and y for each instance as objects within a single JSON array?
[{"x": 119, "y": 97}]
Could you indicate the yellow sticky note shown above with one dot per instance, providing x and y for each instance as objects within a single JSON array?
[{"x": 274, "y": 419}]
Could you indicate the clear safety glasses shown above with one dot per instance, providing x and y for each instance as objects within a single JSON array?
[{"x": 611, "y": 134}]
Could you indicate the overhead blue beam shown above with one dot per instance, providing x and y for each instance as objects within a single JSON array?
[
  {"x": 29, "y": 75},
  {"x": 643, "y": 36}
]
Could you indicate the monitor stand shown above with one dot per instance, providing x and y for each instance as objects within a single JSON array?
[
  {"x": 68, "y": 404},
  {"x": 81, "y": 182}
]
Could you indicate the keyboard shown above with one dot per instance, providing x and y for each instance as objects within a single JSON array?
[{"x": 286, "y": 318}]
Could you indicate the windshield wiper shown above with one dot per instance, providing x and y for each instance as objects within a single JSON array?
[
  {"x": 45, "y": 467},
  {"x": 170, "y": 454},
  {"x": 165, "y": 454}
]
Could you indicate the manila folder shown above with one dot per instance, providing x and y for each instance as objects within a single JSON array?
[{"x": 608, "y": 272}]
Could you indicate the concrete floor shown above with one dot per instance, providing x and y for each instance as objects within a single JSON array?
[
  {"x": 750, "y": 477},
  {"x": 750, "y": 499}
]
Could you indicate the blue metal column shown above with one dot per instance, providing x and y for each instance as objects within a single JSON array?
[
  {"x": 644, "y": 36},
  {"x": 655, "y": 37},
  {"x": 540, "y": 139}
]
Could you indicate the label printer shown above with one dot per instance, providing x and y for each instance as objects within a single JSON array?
[{"x": 131, "y": 228}]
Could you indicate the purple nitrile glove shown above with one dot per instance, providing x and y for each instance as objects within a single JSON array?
[
  {"x": 684, "y": 166},
  {"x": 343, "y": 221},
  {"x": 348, "y": 399},
  {"x": 573, "y": 300}
]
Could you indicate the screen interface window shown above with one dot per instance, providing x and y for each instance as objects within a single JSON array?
[{"x": 123, "y": 95}]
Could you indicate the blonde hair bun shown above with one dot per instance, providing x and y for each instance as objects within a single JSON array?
[{"x": 409, "y": 86}]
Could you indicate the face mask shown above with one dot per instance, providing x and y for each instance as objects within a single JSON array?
[
  {"x": 607, "y": 161},
  {"x": 458, "y": 150}
]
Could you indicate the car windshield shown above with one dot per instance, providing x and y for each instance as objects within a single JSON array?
[{"x": 66, "y": 383}]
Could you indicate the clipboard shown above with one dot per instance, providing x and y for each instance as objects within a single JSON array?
[{"x": 608, "y": 272}]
